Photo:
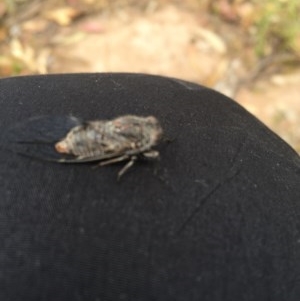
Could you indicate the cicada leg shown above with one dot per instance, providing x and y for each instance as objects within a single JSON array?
[
  {"x": 151, "y": 154},
  {"x": 126, "y": 167},
  {"x": 119, "y": 159},
  {"x": 114, "y": 160}
]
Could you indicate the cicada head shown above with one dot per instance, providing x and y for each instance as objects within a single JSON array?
[
  {"x": 154, "y": 129},
  {"x": 146, "y": 131}
]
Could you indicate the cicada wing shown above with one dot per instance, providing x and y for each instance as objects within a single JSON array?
[
  {"x": 36, "y": 137},
  {"x": 74, "y": 159}
]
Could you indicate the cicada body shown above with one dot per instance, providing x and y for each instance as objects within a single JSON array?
[{"x": 121, "y": 139}]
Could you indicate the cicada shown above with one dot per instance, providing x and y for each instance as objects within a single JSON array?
[{"x": 126, "y": 138}]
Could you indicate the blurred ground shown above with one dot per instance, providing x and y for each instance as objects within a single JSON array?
[{"x": 174, "y": 38}]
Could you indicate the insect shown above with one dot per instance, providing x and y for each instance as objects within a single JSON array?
[{"x": 126, "y": 138}]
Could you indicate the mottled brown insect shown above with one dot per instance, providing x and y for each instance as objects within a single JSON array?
[
  {"x": 109, "y": 141},
  {"x": 67, "y": 139}
]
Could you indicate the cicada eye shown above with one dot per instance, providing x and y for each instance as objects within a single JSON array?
[{"x": 152, "y": 119}]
